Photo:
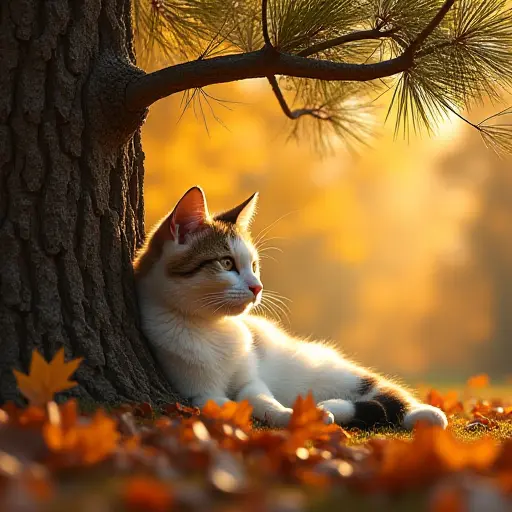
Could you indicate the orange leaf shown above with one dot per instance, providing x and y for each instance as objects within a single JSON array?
[
  {"x": 478, "y": 381},
  {"x": 457, "y": 455},
  {"x": 307, "y": 424},
  {"x": 46, "y": 379},
  {"x": 435, "y": 398},
  {"x": 81, "y": 443},
  {"x": 237, "y": 413},
  {"x": 305, "y": 413}
]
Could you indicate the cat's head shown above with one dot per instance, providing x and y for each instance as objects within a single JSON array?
[{"x": 201, "y": 264}]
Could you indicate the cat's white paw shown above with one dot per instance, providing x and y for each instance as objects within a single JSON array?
[
  {"x": 428, "y": 414},
  {"x": 279, "y": 419},
  {"x": 342, "y": 411}
]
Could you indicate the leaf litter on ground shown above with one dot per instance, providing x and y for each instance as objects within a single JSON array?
[{"x": 139, "y": 457}]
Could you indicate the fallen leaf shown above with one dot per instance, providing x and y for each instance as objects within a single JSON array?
[
  {"x": 46, "y": 379},
  {"x": 308, "y": 424},
  {"x": 435, "y": 398},
  {"x": 305, "y": 413},
  {"x": 82, "y": 443},
  {"x": 178, "y": 409},
  {"x": 236, "y": 413},
  {"x": 143, "y": 410}
]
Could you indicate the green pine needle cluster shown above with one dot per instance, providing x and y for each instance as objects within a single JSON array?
[{"x": 465, "y": 60}]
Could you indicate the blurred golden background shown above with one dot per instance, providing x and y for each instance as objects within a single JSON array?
[{"x": 402, "y": 253}]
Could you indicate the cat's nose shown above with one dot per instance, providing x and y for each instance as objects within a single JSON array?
[{"x": 255, "y": 289}]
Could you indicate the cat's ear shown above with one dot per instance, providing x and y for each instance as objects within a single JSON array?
[
  {"x": 189, "y": 216},
  {"x": 242, "y": 214}
]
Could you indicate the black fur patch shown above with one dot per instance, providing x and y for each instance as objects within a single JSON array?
[
  {"x": 394, "y": 406},
  {"x": 366, "y": 385},
  {"x": 368, "y": 414}
]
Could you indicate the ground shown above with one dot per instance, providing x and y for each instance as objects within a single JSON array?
[{"x": 66, "y": 455}]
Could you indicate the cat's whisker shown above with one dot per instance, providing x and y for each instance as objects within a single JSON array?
[
  {"x": 276, "y": 296},
  {"x": 278, "y": 315},
  {"x": 209, "y": 296},
  {"x": 267, "y": 247},
  {"x": 207, "y": 302},
  {"x": 279, "y": 301},
  {"x": 265, "y": 309},
  {"x": 277, "y": 308},
  {"x": 263, "y": 242},
  {"x": 211, "y": 305},
  {"x": 270, "y": 248},
  {"x": 272, "y": 293},
  {"x": 267, "y": 257},
  {"x": 265, "y": 230},
  {"x": 223, "y": 304}
]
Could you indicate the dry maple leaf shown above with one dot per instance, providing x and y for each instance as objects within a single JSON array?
[
  {"x": 46, "y": 379},
  {"x": 435, "y": 398},
  {"x": 80, "y": 443},
  {"x": 449, "y": 402},
  {"x": 307, "y": 415},
  {"x": 236, "y": 413},
  {"x": 307, "y": 423}
]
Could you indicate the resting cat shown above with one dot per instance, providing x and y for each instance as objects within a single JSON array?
[{"x": 197, "y": 278}]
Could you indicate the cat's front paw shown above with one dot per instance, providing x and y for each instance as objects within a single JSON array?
[
  {"x": 425, "y": 413},
  {"x": 279, "y": 419}
]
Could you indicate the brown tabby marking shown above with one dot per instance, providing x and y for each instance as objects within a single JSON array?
[{"x": 210, "y": 242}]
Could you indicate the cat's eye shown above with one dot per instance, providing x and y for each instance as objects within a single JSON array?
[
  {"x": 227, "y": 263},
  {"x": 254, "y": 266}
]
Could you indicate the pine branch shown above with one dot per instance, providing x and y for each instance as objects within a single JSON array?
[
  {"x": 361, "y": 35},
  {"x": 496, "y": 137},
  {"x": 317, "y": 113},
  {"x": 144, "y": 91},
  {"x": 266, "y": 62},
  {"x": 264, "y": 23},
  {"x": 436, "y": 20}
]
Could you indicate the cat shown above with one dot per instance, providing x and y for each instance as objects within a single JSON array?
[{"x": 197, "y": 278}]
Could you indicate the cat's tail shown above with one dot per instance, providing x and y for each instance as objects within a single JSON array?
[{"x": 386, "y": 406}]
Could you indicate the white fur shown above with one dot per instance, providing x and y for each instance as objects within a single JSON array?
[
  {"x": 426, "y": 413},
  {"x": 211, "y": 349}
]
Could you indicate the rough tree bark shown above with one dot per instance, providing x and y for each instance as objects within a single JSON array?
[{"x": 71, "y": 203}]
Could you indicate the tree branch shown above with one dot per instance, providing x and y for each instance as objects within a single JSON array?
[
  {"x": 264, "y": 23},
  {"x": 436, "y": 20},
  {"x": 361, "y": 35},
  {"x": 294, "y": 114},
  {"x": 429, "y": 50},
  {"x": 375, "y": 33},
  {"x": 144, "y": 91}
]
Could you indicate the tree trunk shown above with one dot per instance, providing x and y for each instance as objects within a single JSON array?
[{"x": 71, "y": 204}]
